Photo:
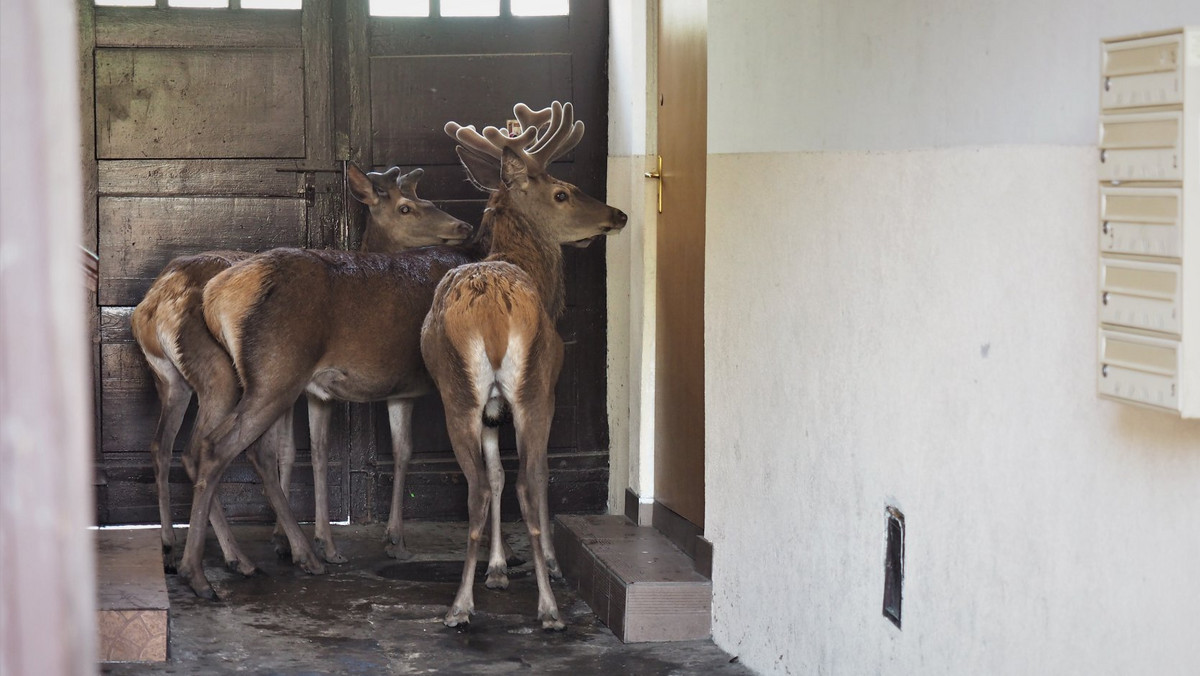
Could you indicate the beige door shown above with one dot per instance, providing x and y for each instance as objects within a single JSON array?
[{"x": 679, "y": 387}]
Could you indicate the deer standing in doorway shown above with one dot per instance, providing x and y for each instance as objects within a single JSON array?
[
  {"x": 490, "y": 341},
  {"x": 184, "y": 357}
]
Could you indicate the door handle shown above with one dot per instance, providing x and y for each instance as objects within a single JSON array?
[{"x": 657, "y": 175}]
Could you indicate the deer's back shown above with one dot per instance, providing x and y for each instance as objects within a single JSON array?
[{"x": 357, "y": 314}]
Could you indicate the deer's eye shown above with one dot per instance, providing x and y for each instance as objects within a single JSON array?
[
  {"x": 404, "y": 209},
  {"x": 561, "y": 196}
]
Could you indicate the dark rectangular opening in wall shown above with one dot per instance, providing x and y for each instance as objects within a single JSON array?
[{"x": 894, "y": 566}]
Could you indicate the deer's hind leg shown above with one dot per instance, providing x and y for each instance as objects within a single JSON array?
[
  {"x": 174, "y": 395},
  {"x": 533, "y": 411},
  {"x": 465, "y": 428},
  {"x": 253, "y": 415}
]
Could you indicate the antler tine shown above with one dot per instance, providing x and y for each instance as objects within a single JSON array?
[
  {"x": 564, "y": 134},
  {"x": 532, "y": 118},
  {"x": 408, "y": 183}
]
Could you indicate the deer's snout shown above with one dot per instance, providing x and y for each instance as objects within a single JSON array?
[
  {"x": 619, "y": 219},
  {"x": 464, "y": 229}
]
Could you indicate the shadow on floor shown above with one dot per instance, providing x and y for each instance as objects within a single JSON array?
[{"x": 375, "y": 615}]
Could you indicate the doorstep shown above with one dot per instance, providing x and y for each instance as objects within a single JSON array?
[{"x": 636, "y": 581}]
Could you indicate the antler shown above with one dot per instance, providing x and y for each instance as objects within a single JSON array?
[
  {"x": 392, "y": 179},
  {"x": 546, "y": 135}
]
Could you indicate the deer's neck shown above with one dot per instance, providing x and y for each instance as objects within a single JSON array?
[{"x": 516, "y": 240}]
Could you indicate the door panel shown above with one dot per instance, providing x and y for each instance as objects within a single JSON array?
[
  {"x": 185, "y": 103},
  {"x": 140, "y": 235},
  {"x": 679, "y": 379}
]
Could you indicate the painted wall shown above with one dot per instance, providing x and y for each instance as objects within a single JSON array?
[
  {"x": 900, "y": 310},
  {"x": 630, "y": 255}
]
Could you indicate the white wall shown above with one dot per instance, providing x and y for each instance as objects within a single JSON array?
[
  {"x": 900, "y": 309},
  {"x": 630, "y": 255}
]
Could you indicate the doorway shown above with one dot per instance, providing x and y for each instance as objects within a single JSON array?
[{"x": 230, "y": 128}]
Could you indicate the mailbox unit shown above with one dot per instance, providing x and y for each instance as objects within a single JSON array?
[{"x": 1148, "y": 296}]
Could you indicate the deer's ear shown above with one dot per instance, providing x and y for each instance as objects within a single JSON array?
[
  {"x": 513, "y": 171},
  {"x": 361, "y": 186},
  {"x": 483, "y": 171}
]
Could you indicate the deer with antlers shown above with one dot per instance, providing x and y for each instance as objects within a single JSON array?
[
  {"x": 490, "y": 341},
  {"x": 184, "y": 357}
]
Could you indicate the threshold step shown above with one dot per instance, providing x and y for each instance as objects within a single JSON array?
[
  {"x": 132, "y": 593},
  {"x": 638, "y": 583}
]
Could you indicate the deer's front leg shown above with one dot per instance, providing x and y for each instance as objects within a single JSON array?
[
  {"x": 400, "y": 421},
  {"x": 319, "y": 415}
]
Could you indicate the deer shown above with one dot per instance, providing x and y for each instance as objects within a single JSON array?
[
  {"x": 184, "y": 358},
  {"x": 490, "y": 342}
]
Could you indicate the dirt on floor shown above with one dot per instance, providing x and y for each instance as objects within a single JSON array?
[{"x": 376, "y": 615}]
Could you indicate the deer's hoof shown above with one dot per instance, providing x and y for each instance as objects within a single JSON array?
[
  {"x": 553, "y": 568},
  {"x": 497, "y": 578},
  {"x": 311, "y": 565},
  {"x": 457, "y": 617},
  {"x": 283, "y": 548},
  {"x": 398, "y": 551},
  {"x": 552, "y": 623},
  {"x": 328, "y": 552},
  {"x": 244, "y": 568}
]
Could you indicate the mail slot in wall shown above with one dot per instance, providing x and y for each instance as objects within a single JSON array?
[
  {"x": 1145, "y": 72},
  {"x": 1141, "y": 147},
  {"x": 1139, "y": 369},
  {"x": 1139, "y": 294},
  {"x": 1148, "y": 300},
  {"x": 1140, "y": 221}
]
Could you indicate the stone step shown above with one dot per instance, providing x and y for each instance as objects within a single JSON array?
[
  {"x": 132, "y": 593},
  {"x": 636, "y": 581}
]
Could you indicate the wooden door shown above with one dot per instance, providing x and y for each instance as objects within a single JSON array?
[
  {"x": 207, "y": 129},
  {"x": 679, "y": 374},
  {"x": 417, "y": 73}
]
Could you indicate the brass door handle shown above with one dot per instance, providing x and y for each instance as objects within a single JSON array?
[{"x": 657, "y": 175}]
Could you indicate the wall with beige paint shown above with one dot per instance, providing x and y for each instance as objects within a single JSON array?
[{"x": 900, "y": 310}]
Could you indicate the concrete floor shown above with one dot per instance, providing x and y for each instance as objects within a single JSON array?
[{"x": 375, "y": 615}]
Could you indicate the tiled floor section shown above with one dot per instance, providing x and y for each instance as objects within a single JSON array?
[
  {"x": 375, "y": 615},
  {"x": 132, "y": 596},
  {"x": 638, "y": 583}
]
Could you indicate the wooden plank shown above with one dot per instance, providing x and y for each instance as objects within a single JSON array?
[
  {"x": 144, "y": 27},
  {"x": 411, "y": 94},
  {"x": 318, "y": 87},
  {"x": 201, "y": 177},
  {"x": 173, "y": 103},
  {"x": 470, "y": 35},
  {"x": 138, "y": 236}
]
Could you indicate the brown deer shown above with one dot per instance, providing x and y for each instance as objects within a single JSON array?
[
  {"x": 490, "y": 341},
  {"x": 337, "y": 325},
  {"x": 184, "y": 357}
]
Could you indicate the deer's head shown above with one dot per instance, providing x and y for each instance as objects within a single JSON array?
[
  {"x": 518, "y": 165},
  {"x": 399, "y": 219}
]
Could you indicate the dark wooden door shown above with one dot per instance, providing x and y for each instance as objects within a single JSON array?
[
  {"x": 195, "y": 111},
  {"x": 202, "y": 126},
  {"x": 419, "y": 73}
]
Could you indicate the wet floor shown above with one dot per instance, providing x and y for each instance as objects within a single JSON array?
[{"x": 375, "y": 615}]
